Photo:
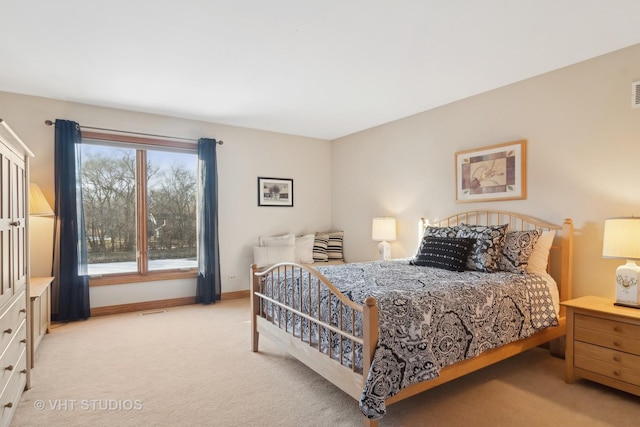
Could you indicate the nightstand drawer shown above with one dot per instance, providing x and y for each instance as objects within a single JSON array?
[
  {"x": 617, "y": 358},
  {"x": 612, "y": 327},
  {"x": 610, "y": 370},
  {"x": 612, "y": 334}
]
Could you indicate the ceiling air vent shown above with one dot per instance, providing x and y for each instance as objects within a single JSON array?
[{"x": 635, "y": 92}]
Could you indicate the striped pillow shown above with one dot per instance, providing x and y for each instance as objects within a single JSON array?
[
  {"x": 334, "y": 246},
  {"x": 320, "y": 244}
]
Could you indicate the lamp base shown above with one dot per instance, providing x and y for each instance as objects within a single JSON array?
[
  {"x": 384, "y": 249},
  {"x": 624, "y": 304},
  {"x": 627, "y": 278}
]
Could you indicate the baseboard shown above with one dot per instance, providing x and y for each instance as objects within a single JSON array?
[
  {"x": 154, "y": 305},
  {"x": 235, "y": 295}
]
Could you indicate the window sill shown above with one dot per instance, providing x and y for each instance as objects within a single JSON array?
[{"x": 123, "y": 279}]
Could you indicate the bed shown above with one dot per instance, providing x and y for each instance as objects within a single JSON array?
[{"x": 383, "y": 331}]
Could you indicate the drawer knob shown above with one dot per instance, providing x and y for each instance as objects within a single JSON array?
[
  {"x": 9, "y": 368},
  {"x": 9, "y": 405},
  {"x": 617, "y": 358},
  {"x": 8, "y": 331},
  {"x": 617, "y": 329},
  {"x": 617, "y": 343},
  {"x": 617, "y": 373}
]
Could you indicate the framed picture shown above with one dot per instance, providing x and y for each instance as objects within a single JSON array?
[
  {"x": 497, "y": 172},
  {"x": 275, "y": 192}
]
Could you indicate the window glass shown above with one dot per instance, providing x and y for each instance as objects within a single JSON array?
[
  {"x": 133, "y": 225},
  {"x": 109, "y": 201},
  {"x": 171, "y": 219}
]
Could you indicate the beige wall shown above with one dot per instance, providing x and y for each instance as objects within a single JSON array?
[
  {"x": 583, "y": 145},
  {"x": 582, "y": 161},
  {"x": 245, "y": 155}
]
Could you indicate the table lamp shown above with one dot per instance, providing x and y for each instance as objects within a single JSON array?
[
  {"x": 38, "y": 204},
  {"x": 622, "y": 241},
  {"x": 41, "y": 235},
  {"x": 384, "y": 230}
]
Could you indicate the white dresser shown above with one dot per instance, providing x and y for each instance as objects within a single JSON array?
[
  {"x": 40, "y": 296},
  {"x": 14, "y": 272}
]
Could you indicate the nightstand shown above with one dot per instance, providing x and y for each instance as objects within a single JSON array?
[
  {"x": 40, "y": 297},
  {"x": 603, "y": 343}
]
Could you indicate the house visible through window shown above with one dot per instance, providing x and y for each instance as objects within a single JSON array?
[{"x": 139, "y": 200}]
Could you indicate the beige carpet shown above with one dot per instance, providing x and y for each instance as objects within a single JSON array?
[{"x": 192, "y": 366}]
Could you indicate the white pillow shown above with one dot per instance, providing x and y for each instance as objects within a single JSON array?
[
  {"x": 268, "y": 255},
  {"x": 304, "y": 248},
  {"x": 539, "y": 258},
  {"x": 284, "y": 240}
]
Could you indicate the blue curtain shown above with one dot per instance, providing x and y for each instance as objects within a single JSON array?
[
  {"x": 208, "y": 289},
  {"x": 70, "y": 251}
]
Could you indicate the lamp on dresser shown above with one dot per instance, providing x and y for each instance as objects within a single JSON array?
[
  {"x": 41, "y": 235},
  {"x": 383, "y": 230},
  {"x": 622, "y": 241},
  {"x": 38, "y": 205}
]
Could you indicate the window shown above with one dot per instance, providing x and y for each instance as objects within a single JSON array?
[{"x": 139, "y": 201}]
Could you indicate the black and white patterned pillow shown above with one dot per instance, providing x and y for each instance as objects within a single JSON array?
[
  {"x": 320, "y": 244},
  {"x": 448, "y": 253},
  {"x": 441, "y": 231},
  {"x": 431, "y": 231},
  {"x": 486, "y": 250},
  {"x": 518, "y": 246}
]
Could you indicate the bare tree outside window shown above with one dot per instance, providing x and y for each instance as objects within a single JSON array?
[{"x": 112, "y": 217}]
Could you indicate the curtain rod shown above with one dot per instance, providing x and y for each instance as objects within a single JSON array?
[{"x": 50, "y": 122}]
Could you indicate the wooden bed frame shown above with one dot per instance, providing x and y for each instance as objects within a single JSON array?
[{"x": 347, "y": 377}]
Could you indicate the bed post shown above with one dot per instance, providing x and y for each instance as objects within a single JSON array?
[
  {"x": 255, "y": 306},
  {"x": 566, "y": 278},
  {"x": 370, "y": 342}
]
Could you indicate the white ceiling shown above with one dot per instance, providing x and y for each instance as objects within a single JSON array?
[{"x": 323, "y": 68}]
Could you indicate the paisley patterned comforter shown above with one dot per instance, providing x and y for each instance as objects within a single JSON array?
[{"x": 430, "y": 318}]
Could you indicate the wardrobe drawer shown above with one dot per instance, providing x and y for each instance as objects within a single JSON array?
[
  {"x": 11, "y": 394},
  {"x": 11, "y": 319},
  {"x": 9, "y": 359}
]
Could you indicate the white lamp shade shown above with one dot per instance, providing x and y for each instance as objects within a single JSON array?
[
  {"x": 38, "y": 205},
  {"x": 621, "y": 238},
  {"x": 383, "y": 229}
]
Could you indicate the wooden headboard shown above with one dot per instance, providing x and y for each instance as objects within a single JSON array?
[{"x": 561, "y": 255}]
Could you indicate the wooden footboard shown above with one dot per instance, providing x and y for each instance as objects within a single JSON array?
[{"x": 300, "y": 309}]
